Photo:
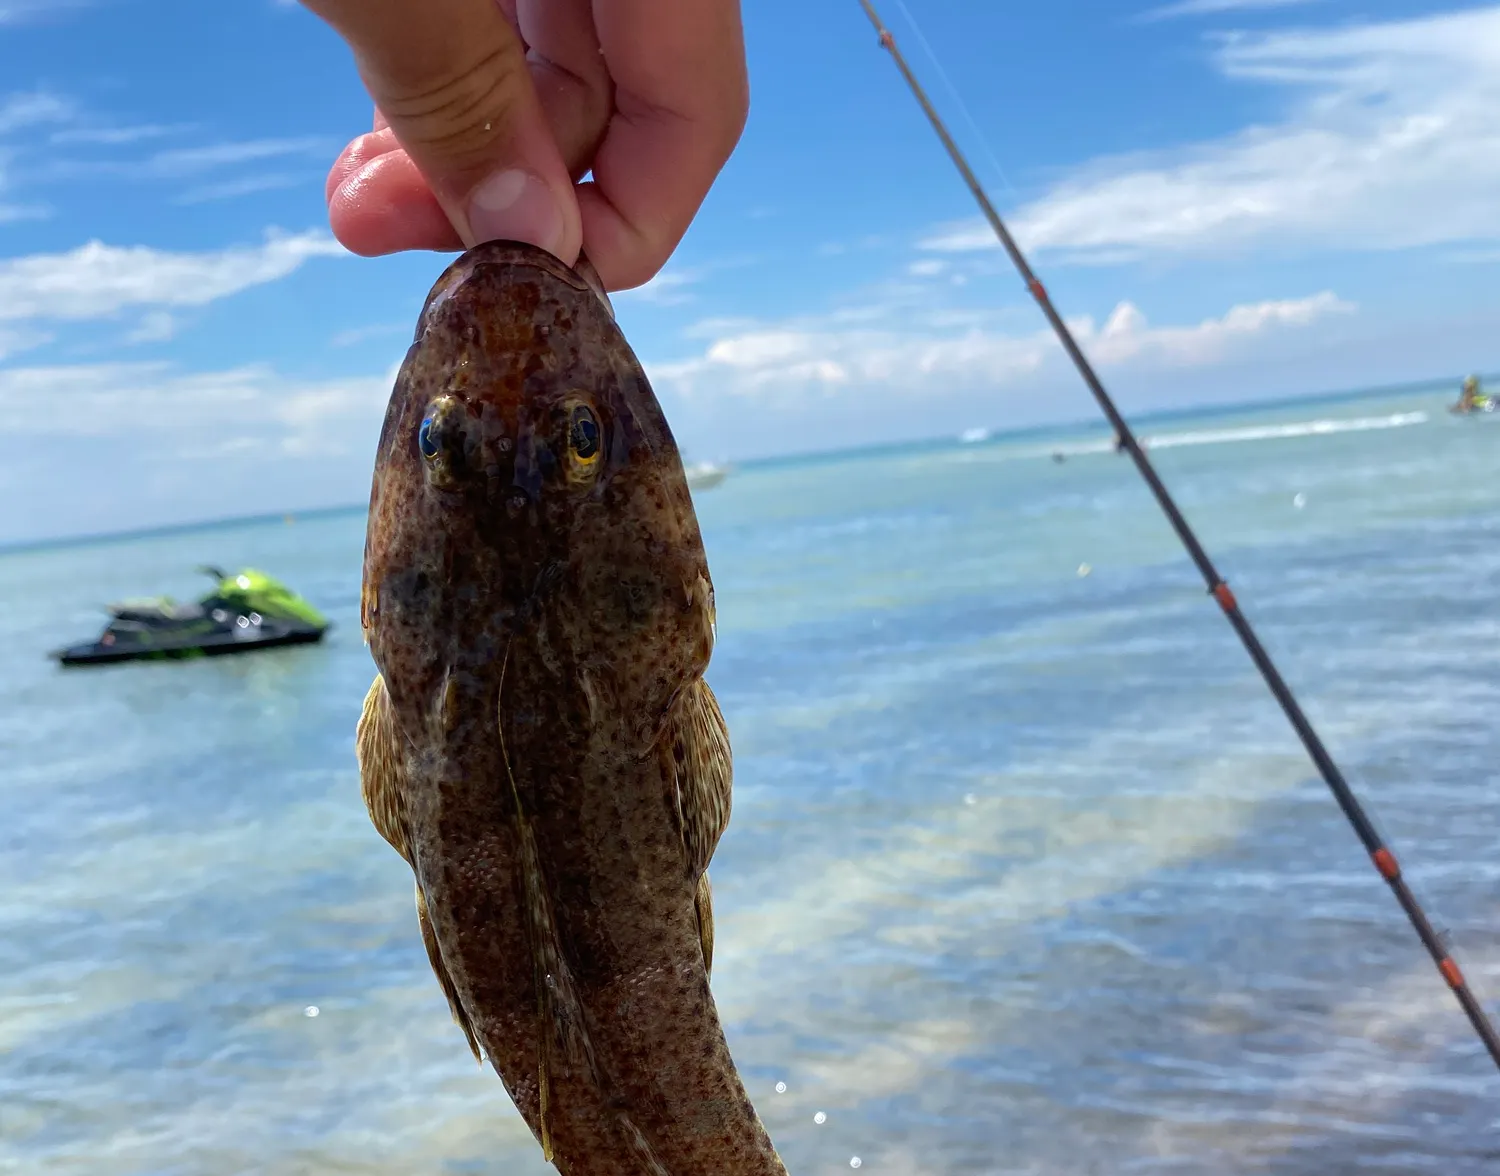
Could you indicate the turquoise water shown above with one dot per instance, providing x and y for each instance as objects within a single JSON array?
[{"x": 1026, "y": 872}]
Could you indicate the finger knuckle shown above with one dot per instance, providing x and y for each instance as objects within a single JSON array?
[{"x": 455, "y": 114}]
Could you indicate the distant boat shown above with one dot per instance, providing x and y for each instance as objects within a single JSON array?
[
  {"x": 974, "y": 436},
  {"x": 705, "y": 475}
]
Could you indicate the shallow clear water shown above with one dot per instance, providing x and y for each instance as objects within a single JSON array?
[{"x": 1026, "y": 873}]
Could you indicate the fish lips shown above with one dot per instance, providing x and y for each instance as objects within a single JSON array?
[{"x": 518, "y": 254}]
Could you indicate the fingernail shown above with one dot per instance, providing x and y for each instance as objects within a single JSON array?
[{"x": 516, "y": 205}]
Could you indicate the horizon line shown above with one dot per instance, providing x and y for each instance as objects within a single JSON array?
[{"x": 771, "y": 461}]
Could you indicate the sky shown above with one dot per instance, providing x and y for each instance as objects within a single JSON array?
[{"x": 1227, "y": 199}]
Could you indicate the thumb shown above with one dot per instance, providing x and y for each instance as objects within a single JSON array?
[{"x": 451, "y": 79}]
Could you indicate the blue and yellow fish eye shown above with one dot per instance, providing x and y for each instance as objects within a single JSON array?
[
  {"x": 426, "y": 442},
  {"x": 583, "y": 435}
]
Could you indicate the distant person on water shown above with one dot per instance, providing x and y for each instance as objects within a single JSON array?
[
  {"x": 1466, "y": 396},
  {"x": 489, "y": 113},
  {"x": 1471, "y": 399}
]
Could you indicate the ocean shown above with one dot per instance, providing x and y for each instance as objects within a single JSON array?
[{"x": 1026, "y": 873}]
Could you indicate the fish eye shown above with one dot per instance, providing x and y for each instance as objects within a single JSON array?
[
  {"x": 426, "y": 442},
  {"x": 583, "y": 435}
]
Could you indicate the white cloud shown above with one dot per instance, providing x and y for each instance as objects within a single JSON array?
[
  {"x": 18, "y": 111},
  {"x": 115, "y": 136},
  {"x": 14, "y": 340},
  {"x": 185, "y": 161},
  {"x": 1487, "y": 255},
  {"x": 1126, "y": 336},
  {"x": 97, "y": 280},
  {"x": 672, "y": 286},
  {"x": 357, "y": 335},
  {"x": 665, "y": 289},
  {"x": 21, "y": 111},
  {"x": 20, "y": 212},
  {"x": 16, "y": 11},
  {"x": 156, "y": 326},
  {"x": 787, "y": 362},
  {"x": 1391, "y": 142},
  {"x": 1213, "y": 7},
  {"x": 245, "y": 186},
  {"x": 253, "y": 406},
  {"x": 120, "y": 444}
]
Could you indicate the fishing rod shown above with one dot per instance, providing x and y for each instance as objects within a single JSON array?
[{"x": 1380, "y": 854}]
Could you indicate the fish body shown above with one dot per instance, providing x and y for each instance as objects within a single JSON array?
[{"x": 539, "y": 744}]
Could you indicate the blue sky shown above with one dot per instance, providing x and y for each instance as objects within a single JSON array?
[{"x": 1228, "y": 199}]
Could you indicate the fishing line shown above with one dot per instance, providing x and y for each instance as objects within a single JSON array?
[
  {"x": 1380, "y": 854},
  {"x": 963, "y": 108}
]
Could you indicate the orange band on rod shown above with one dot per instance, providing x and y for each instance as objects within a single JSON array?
[
  {"x": 1038, "y": 291},
  {"x": 1224, "y": 596},
  {"x": 1451, "y": 973},
  {"x": 1385, "y": 862},
  {"x": 886, "y": 40}
]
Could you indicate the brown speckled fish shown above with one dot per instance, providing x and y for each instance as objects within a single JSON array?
[{"x": 540, "y": 745}]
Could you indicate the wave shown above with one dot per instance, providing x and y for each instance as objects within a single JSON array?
[{"x": 1318, "y": 428}]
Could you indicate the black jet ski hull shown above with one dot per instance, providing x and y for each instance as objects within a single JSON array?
[
  {"x": 246, "y": 611},
  {"x": 94, "y": 653}
]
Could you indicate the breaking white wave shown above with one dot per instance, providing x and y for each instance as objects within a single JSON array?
[{"x": 1318, "y": 428}]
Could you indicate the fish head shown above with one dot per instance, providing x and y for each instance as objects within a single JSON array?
[{"x": 529, "y": 492}]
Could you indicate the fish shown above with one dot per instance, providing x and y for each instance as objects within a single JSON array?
[{"x": 539, "y": 743}]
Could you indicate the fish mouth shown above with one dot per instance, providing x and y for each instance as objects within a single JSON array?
[{"x": 582, "y": 277}]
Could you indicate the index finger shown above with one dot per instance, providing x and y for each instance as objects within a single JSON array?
[{"x": 681, "y": 99}]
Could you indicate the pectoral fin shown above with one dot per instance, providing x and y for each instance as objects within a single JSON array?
[
  {"x": 705, "y": 904},
  {"x": 701, "y": 768},
  {"x": 382, "y": 782}
]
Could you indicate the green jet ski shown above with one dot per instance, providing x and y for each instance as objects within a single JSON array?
[{"x": 245, "y": 611}]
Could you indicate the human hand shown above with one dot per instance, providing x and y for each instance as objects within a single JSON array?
[{"x": 488, "y": 113}]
